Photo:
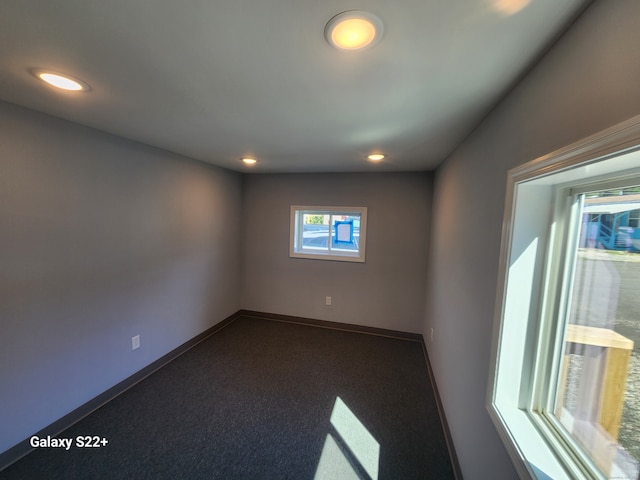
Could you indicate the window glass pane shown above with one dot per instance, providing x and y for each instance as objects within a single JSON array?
[
  {"x": 315, "y": 231},
  {"x": 345, "y": 233},
  {"x": 634, "y": 218},
  {"x": 598, "y": 398}
]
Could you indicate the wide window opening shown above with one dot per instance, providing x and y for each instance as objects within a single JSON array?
[
  {"x": 328, "y": 233},
  {"x": 564, "y": 387}
]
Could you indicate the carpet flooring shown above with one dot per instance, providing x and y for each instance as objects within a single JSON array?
[{"x": 254, "y": 401}]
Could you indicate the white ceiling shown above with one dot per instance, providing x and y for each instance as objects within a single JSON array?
[{"x": 216, "y": 80}]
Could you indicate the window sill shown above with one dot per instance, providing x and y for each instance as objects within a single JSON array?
[
  {"x": 529, "y": 451},
  {"x": 327, "y": 256}
]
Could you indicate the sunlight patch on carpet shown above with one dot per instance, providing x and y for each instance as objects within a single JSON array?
[{"x": 360, "y": 443}]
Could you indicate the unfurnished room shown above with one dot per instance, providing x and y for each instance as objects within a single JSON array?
[{"x": 320, "y": 240}]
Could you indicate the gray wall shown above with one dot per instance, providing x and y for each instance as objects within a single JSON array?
[
  {"x": 587, "y": 82},
  {"x": 101, "y": 239},
  {"x": 386, "y": 291}
]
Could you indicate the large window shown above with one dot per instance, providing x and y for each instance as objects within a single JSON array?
[
  {"x": 328, "y": 233},
  {"x": 565, "y": 388}
]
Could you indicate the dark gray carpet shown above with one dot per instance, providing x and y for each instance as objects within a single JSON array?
[{"x": 253, "y": 401}]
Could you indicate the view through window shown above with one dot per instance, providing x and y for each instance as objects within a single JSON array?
[
  {"x": 329, "y": 233},
  {"x": 336, "y": 232},
  {"x": 598, "y": 393}
]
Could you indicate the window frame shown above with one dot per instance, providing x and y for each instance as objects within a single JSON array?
[
  {"x": 520, "y": 391},
  {"x": 295, "y": 233}
]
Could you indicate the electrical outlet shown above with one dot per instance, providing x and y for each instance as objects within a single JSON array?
[
  {"x": 135, "y": 342},
  {"x": 432, "y": 334},
  {"x": 327, "y": 301}
]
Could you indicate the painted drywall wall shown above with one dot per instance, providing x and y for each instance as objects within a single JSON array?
[
  {"x": 387, "y": 291},
  {"x": 101, "y": 239},
  {"x": 587, "y": 82}
]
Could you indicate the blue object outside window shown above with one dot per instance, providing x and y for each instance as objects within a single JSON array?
[{"x": 343, "y": 232}]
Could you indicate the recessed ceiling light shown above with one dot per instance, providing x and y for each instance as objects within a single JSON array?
[
  {"x": 510, "y": 7},
  {"x": 249, "y": 161},
  {"x": 353, "y": 30},
  {"x": 59, "y": 80},
  {"x": 375, "y": 157}
]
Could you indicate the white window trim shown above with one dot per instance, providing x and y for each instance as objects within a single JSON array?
[
  {"x": 358, "y": 257},
  {"x": 527, "y": 434}
]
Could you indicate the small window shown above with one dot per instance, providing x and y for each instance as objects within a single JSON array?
[{"x": 328, "y": 233}]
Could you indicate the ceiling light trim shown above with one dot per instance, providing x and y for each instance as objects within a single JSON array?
[{"x": 341, "y": 18}]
